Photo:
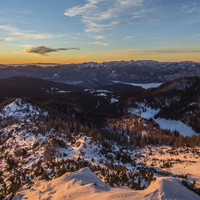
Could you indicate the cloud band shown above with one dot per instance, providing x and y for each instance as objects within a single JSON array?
[{"x": 42, "y": 50}]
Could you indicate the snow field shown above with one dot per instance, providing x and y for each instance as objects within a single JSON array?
[{"x": 147, "y": 112}]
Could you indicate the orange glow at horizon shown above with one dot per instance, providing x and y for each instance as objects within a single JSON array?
[{"x": 98, "y": 57}]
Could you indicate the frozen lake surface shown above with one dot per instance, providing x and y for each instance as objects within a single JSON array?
[{"x": 145, "y": 85}]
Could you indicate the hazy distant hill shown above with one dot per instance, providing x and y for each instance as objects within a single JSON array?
[
  {"x": 95, "y": 105},
  {"x": 32, "y": 87}
]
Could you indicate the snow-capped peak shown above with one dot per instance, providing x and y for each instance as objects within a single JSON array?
[
  {"x": 83, "y": 177},
  {"x": 20, "y": 109}
]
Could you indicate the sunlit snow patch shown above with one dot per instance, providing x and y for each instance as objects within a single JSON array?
[{"x": 175, "y": 125}]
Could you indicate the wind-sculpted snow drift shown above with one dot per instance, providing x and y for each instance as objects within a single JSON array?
[{"x": 85, "y": 185}]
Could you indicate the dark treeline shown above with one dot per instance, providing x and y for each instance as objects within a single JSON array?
[
  {"x": 133, "y": 131},
  {"x": 126, "y": 138}
]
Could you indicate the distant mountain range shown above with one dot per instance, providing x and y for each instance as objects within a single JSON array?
[{"x": 94, "y": 75}]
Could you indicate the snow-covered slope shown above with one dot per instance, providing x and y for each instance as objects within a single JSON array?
[
  {"x": 32, "y": 149},
  {"x": 85, "y": 185}
]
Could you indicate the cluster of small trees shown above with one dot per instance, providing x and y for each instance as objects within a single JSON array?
[{"x": 191, "y": 186}]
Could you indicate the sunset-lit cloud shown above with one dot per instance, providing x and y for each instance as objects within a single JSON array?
[{"x": 42, "y": 50}]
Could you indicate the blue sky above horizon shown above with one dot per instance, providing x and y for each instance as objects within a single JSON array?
[{"x": 66, "y": 31}]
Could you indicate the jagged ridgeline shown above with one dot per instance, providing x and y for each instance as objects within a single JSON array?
[{"x": 93, "y": 75}]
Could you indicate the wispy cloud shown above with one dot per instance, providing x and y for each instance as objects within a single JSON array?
[
  {"x": 42, "y": 50},
  {"x": 27, "y": 34},
  {"x": 97, "y": 37},
  {"x": 190, "y": 7},
  {"x": 25, "y": 45},
  {"x": 97, "y": 18},
  {"x": 162, "y": 51},
  {"x": 128, "y": 37},
  {"x": 100, "y": 43},
  {"x": 99, "y": 15},
  {"x": 6, "y": 39}
]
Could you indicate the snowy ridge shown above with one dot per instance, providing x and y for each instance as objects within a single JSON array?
[
  {"x": 180, "y": 85},
  {"x": 83, "y": 177},
  {"x": 19, "y": 109},
  {"x": 85, "y": 185}
]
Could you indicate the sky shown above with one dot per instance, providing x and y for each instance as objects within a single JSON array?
[{"x": 76, "y": 31}]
